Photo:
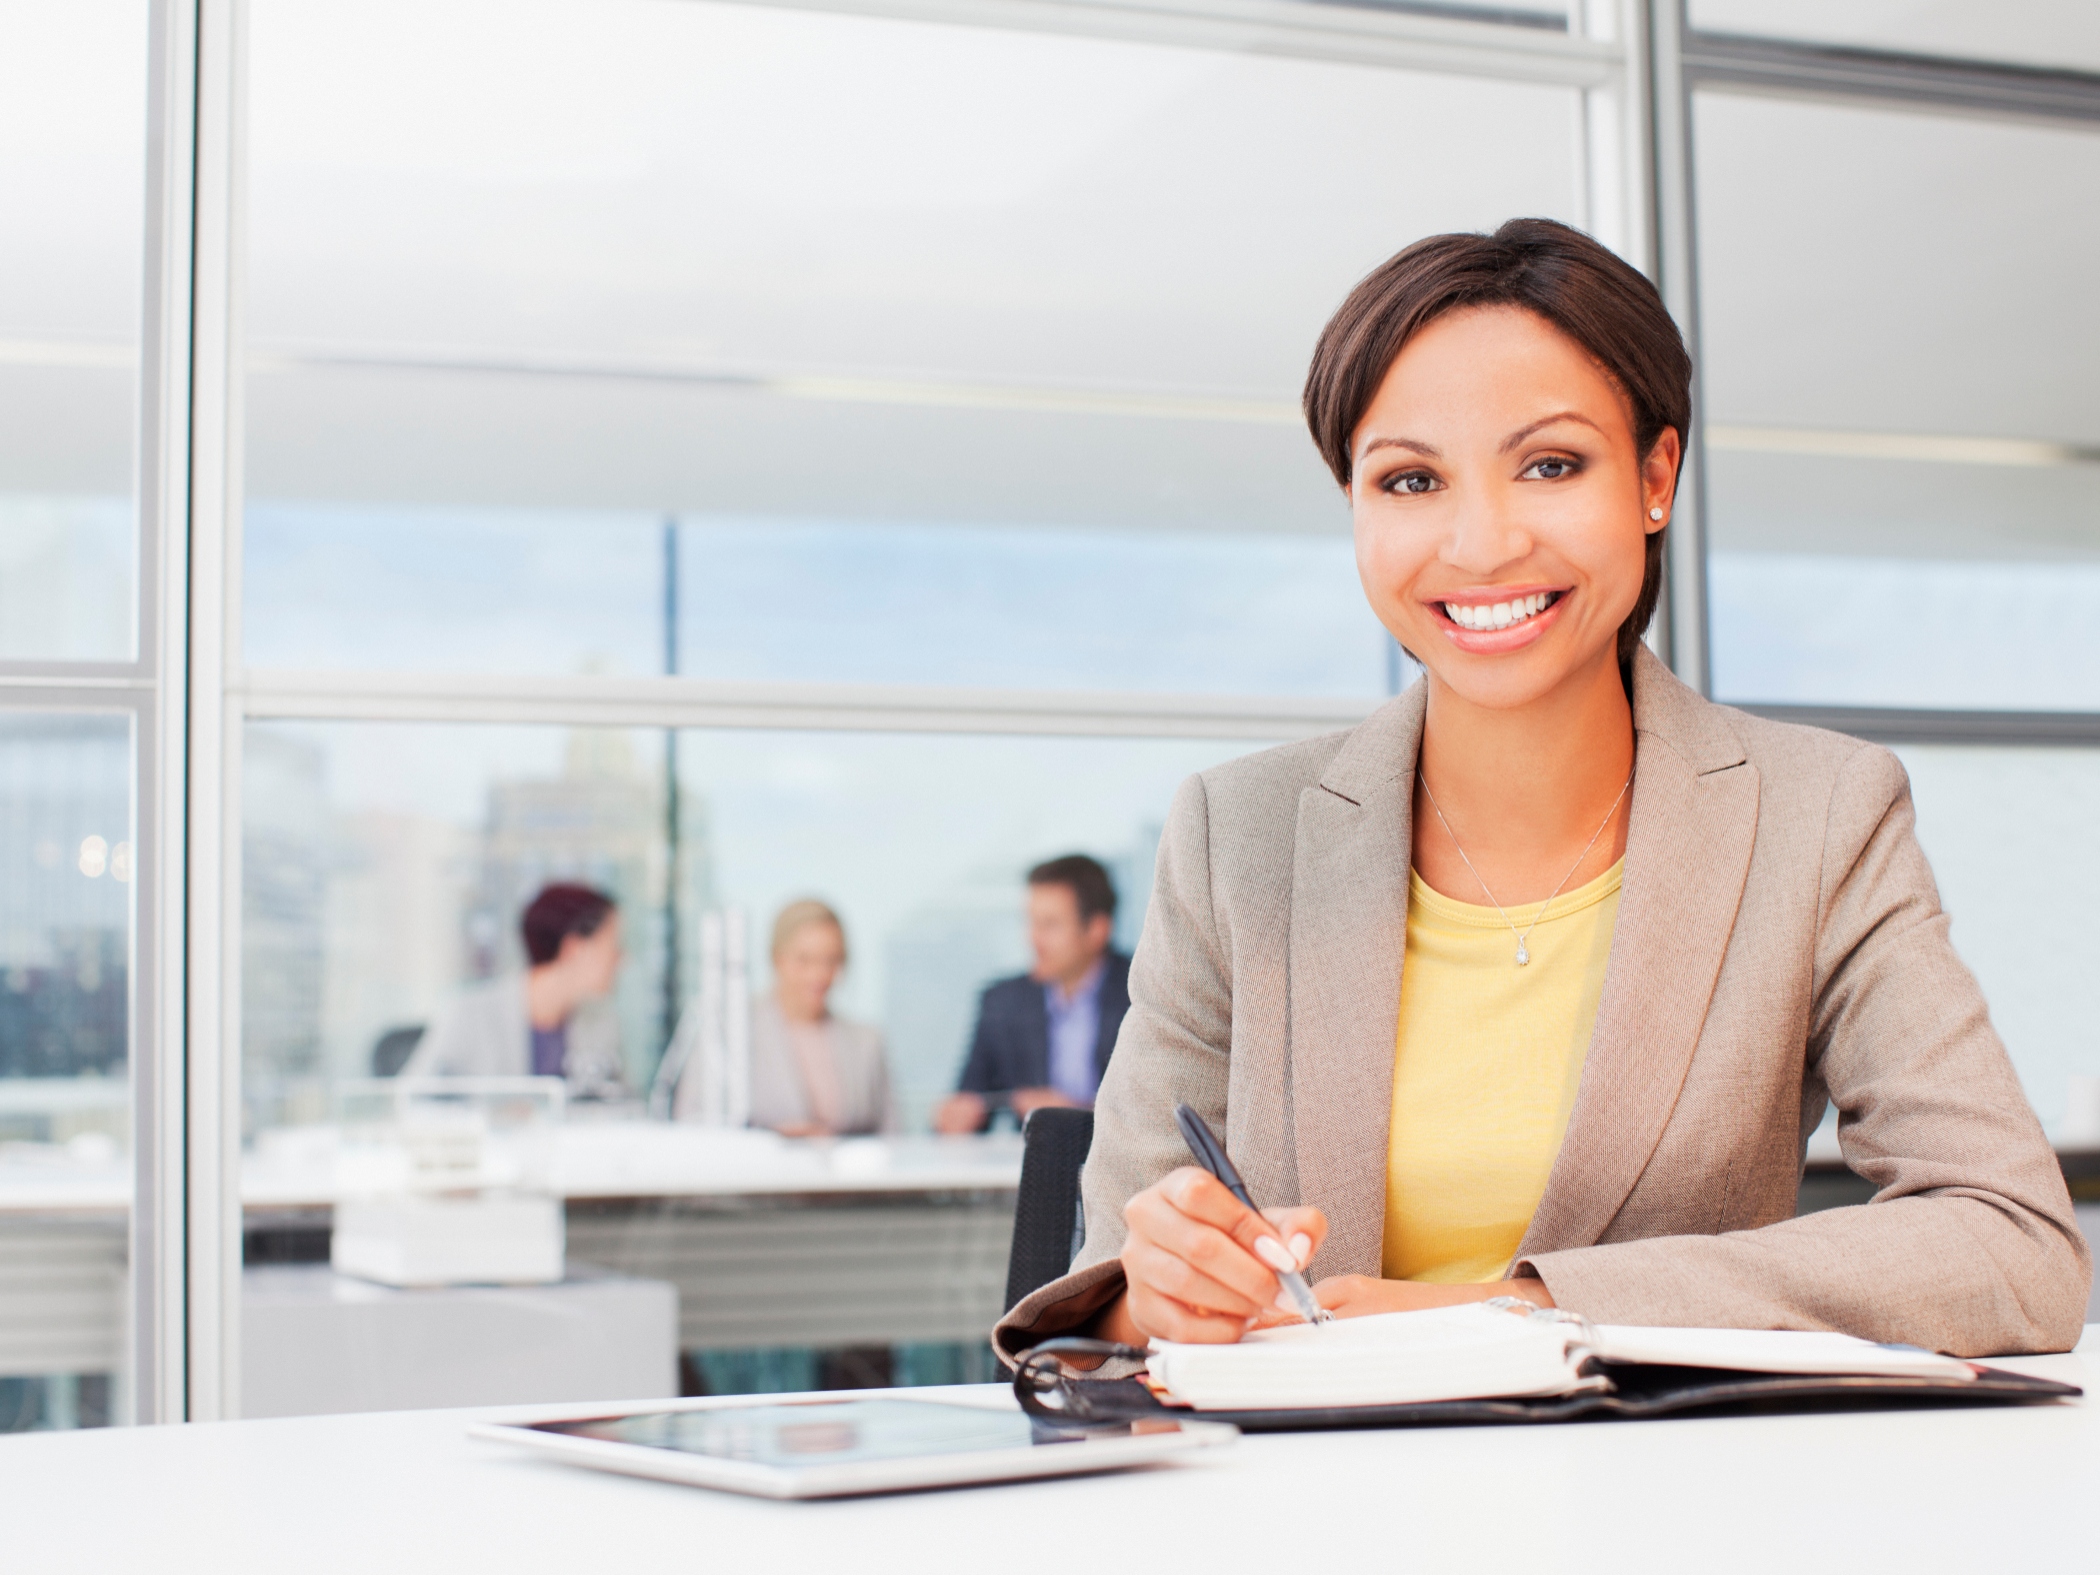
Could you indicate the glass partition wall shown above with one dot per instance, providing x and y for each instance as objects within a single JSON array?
[
  {"x": 89, "y": 1286},
  {"x": 1903, "y": 454},
  {"x": 733, "y": 452},
  {"x": 737, "y": 453}
]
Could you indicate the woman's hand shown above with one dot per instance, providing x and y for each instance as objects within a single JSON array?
[
  {"x": 1357, "y": 1295},
  {"x": 1199, "y": 1265}
]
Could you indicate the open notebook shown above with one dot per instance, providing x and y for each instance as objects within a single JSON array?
[{"x": 1507, "y": 1361}]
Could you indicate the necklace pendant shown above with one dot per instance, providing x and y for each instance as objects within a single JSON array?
[{"x": 1523, "y": 956}]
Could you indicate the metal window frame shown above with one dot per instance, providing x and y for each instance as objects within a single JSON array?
[
  {"x": 1891, "y": 79},
  {"x": 1350, "y": 34},
  {"x": 1897, "y": 725},
  {"x": 212, "y": 826}
]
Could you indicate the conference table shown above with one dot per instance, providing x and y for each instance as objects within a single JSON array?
[
  {"x": 769, "y": 1242},
  {"x": 1913, "y": 1490}
]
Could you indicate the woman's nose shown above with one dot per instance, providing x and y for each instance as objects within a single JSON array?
[{"x": 1484, "y": 538}]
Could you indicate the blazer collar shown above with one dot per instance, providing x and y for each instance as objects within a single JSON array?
[{"x": 1692, "y": 821}]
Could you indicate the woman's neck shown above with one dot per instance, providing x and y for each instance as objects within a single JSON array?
[
  {"x": 1522, "y": 789},
  {"x": 550, "y": 999},
  {"x": 800, "y": 1011}
]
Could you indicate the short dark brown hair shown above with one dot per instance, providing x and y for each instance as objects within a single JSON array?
[
  {"x": 1084, "y": 877},
  {"x": 558, "y": 912},
  {"x": 1579, "y": 286}
]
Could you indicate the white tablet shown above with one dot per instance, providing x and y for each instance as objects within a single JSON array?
[{"x": 827, "y": 1447}]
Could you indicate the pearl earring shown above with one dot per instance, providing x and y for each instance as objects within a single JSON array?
[{"x": 1655, "y": 514}]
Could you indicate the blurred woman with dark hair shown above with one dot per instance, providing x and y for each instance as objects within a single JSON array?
[
  {"x": 553, "y": 1020},
  {"x": 1535, "y": 983}
]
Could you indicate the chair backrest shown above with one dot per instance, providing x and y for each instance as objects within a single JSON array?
[
  {"x": 394, "y": 1048},
  {"x": 1048, "y": 1226}
]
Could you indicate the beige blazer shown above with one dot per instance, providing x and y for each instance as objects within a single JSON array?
[
  {"x": 1779, "y": 946},
  {"x": 779, "y": 1089}
]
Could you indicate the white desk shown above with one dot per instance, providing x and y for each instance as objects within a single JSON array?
[
  {"x": 1916, "y": 1492},
  {"x": 627, "y": 1159},
  {"x": 769, "y": 1241}
]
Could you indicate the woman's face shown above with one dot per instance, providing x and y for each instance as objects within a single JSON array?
[
  {"x": 593, "y": 961},
  {"x": 805, "y": 969},
  {"x": 1501, "y": 510}
]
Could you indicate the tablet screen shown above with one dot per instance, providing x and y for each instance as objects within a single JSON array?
[{"x": 823, "y": 1432}]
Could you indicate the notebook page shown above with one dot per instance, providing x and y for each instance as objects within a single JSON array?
[
  {"x": 1446, "y": 1353},
  {"x": 1773, "y": 1351}
]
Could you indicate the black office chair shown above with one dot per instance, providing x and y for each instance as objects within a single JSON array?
[
  {"x": 1048, "y": 1224},
  {"x": 394, "y": 1048}
]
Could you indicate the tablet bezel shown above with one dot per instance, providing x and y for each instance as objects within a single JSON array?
[{"x": 1108, "y": 1449}]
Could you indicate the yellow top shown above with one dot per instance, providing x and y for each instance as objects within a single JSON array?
[{"x": 1484, "y": 1073}]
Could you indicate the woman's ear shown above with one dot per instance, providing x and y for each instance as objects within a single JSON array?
[{"x": 1659, "y": 479}]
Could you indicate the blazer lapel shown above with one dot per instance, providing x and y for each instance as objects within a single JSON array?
[
  {"x": 1348, "y": 932},
  {"x": 1691, "y": 828}
]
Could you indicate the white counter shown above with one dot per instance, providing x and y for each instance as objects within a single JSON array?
[
  {"x": 295, "y": 1169},
  {"x": 769, "y": 1241}
]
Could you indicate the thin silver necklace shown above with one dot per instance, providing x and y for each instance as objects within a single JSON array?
[{"x": 1523, "y": 950}]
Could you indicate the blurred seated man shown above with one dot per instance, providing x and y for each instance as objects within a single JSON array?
[
  {"x": 553, "y": 1020},
  {"x": 1045, "y": 1037}
]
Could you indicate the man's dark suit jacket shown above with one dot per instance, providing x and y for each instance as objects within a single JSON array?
[{"x": 1011, "y": 1048}]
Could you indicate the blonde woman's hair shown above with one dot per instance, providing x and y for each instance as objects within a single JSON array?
[{"x": 800, "y": 915}]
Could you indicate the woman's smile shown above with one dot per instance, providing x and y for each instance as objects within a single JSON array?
[{"x": 1499, "y": 618}]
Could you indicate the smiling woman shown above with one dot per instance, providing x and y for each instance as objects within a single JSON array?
[{"x": 1534, "y": 983}]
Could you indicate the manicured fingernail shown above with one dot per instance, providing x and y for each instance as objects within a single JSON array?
[
  {"x": 1301, "y": 1248},
  {"x": 1284, "y": 1302},
  {"x": 1275, "y": 1255}
]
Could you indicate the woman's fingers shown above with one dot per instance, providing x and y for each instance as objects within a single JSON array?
[
  {"x": 1350, "y": 1295},
  {"x": 1190, "y": 1216},
  {"x": 1302, "y": 1230},
  {"x": 1202, "y": 1196},
  {"x": 1158, "y": 1268},
  {"x": 1164, "y": 1318}
]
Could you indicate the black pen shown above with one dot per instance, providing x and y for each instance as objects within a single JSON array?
[{"x": 1211, "y": 1155}]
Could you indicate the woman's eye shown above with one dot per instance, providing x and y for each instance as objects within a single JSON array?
[
  {"x": 1552, "y": 469},
  {"x": 1412, "y": 481}
]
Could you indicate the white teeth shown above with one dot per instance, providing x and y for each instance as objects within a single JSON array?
[{"x": 1498, "y": 615}]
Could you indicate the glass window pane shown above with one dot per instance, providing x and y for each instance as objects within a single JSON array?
[
  {"x": 385, "y": 865},
  {"x": 72, "y": 185},
  {"x": 2059, "y": 33},
  {"x": 66, "y": 840},
  {"x": 1016, "y": 406},
  {"x": 1904, "y": 433},
  {"x": 2009, "y": 832}
]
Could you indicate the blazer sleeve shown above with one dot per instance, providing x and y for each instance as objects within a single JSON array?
[
  {"x": 451, "y": 1046},
  {"x": 1970, "y": 1244},
  {"x": 1175, "y": 1043},
  {"x": 981, "y": 1069}
]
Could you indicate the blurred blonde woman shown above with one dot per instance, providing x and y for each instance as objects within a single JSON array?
[{"x": 814, "y": 1073}]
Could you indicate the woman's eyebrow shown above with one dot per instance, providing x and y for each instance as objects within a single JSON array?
[
  {"x": 1519, "y": 436},
  {"x": 1428, "y": 450}
]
